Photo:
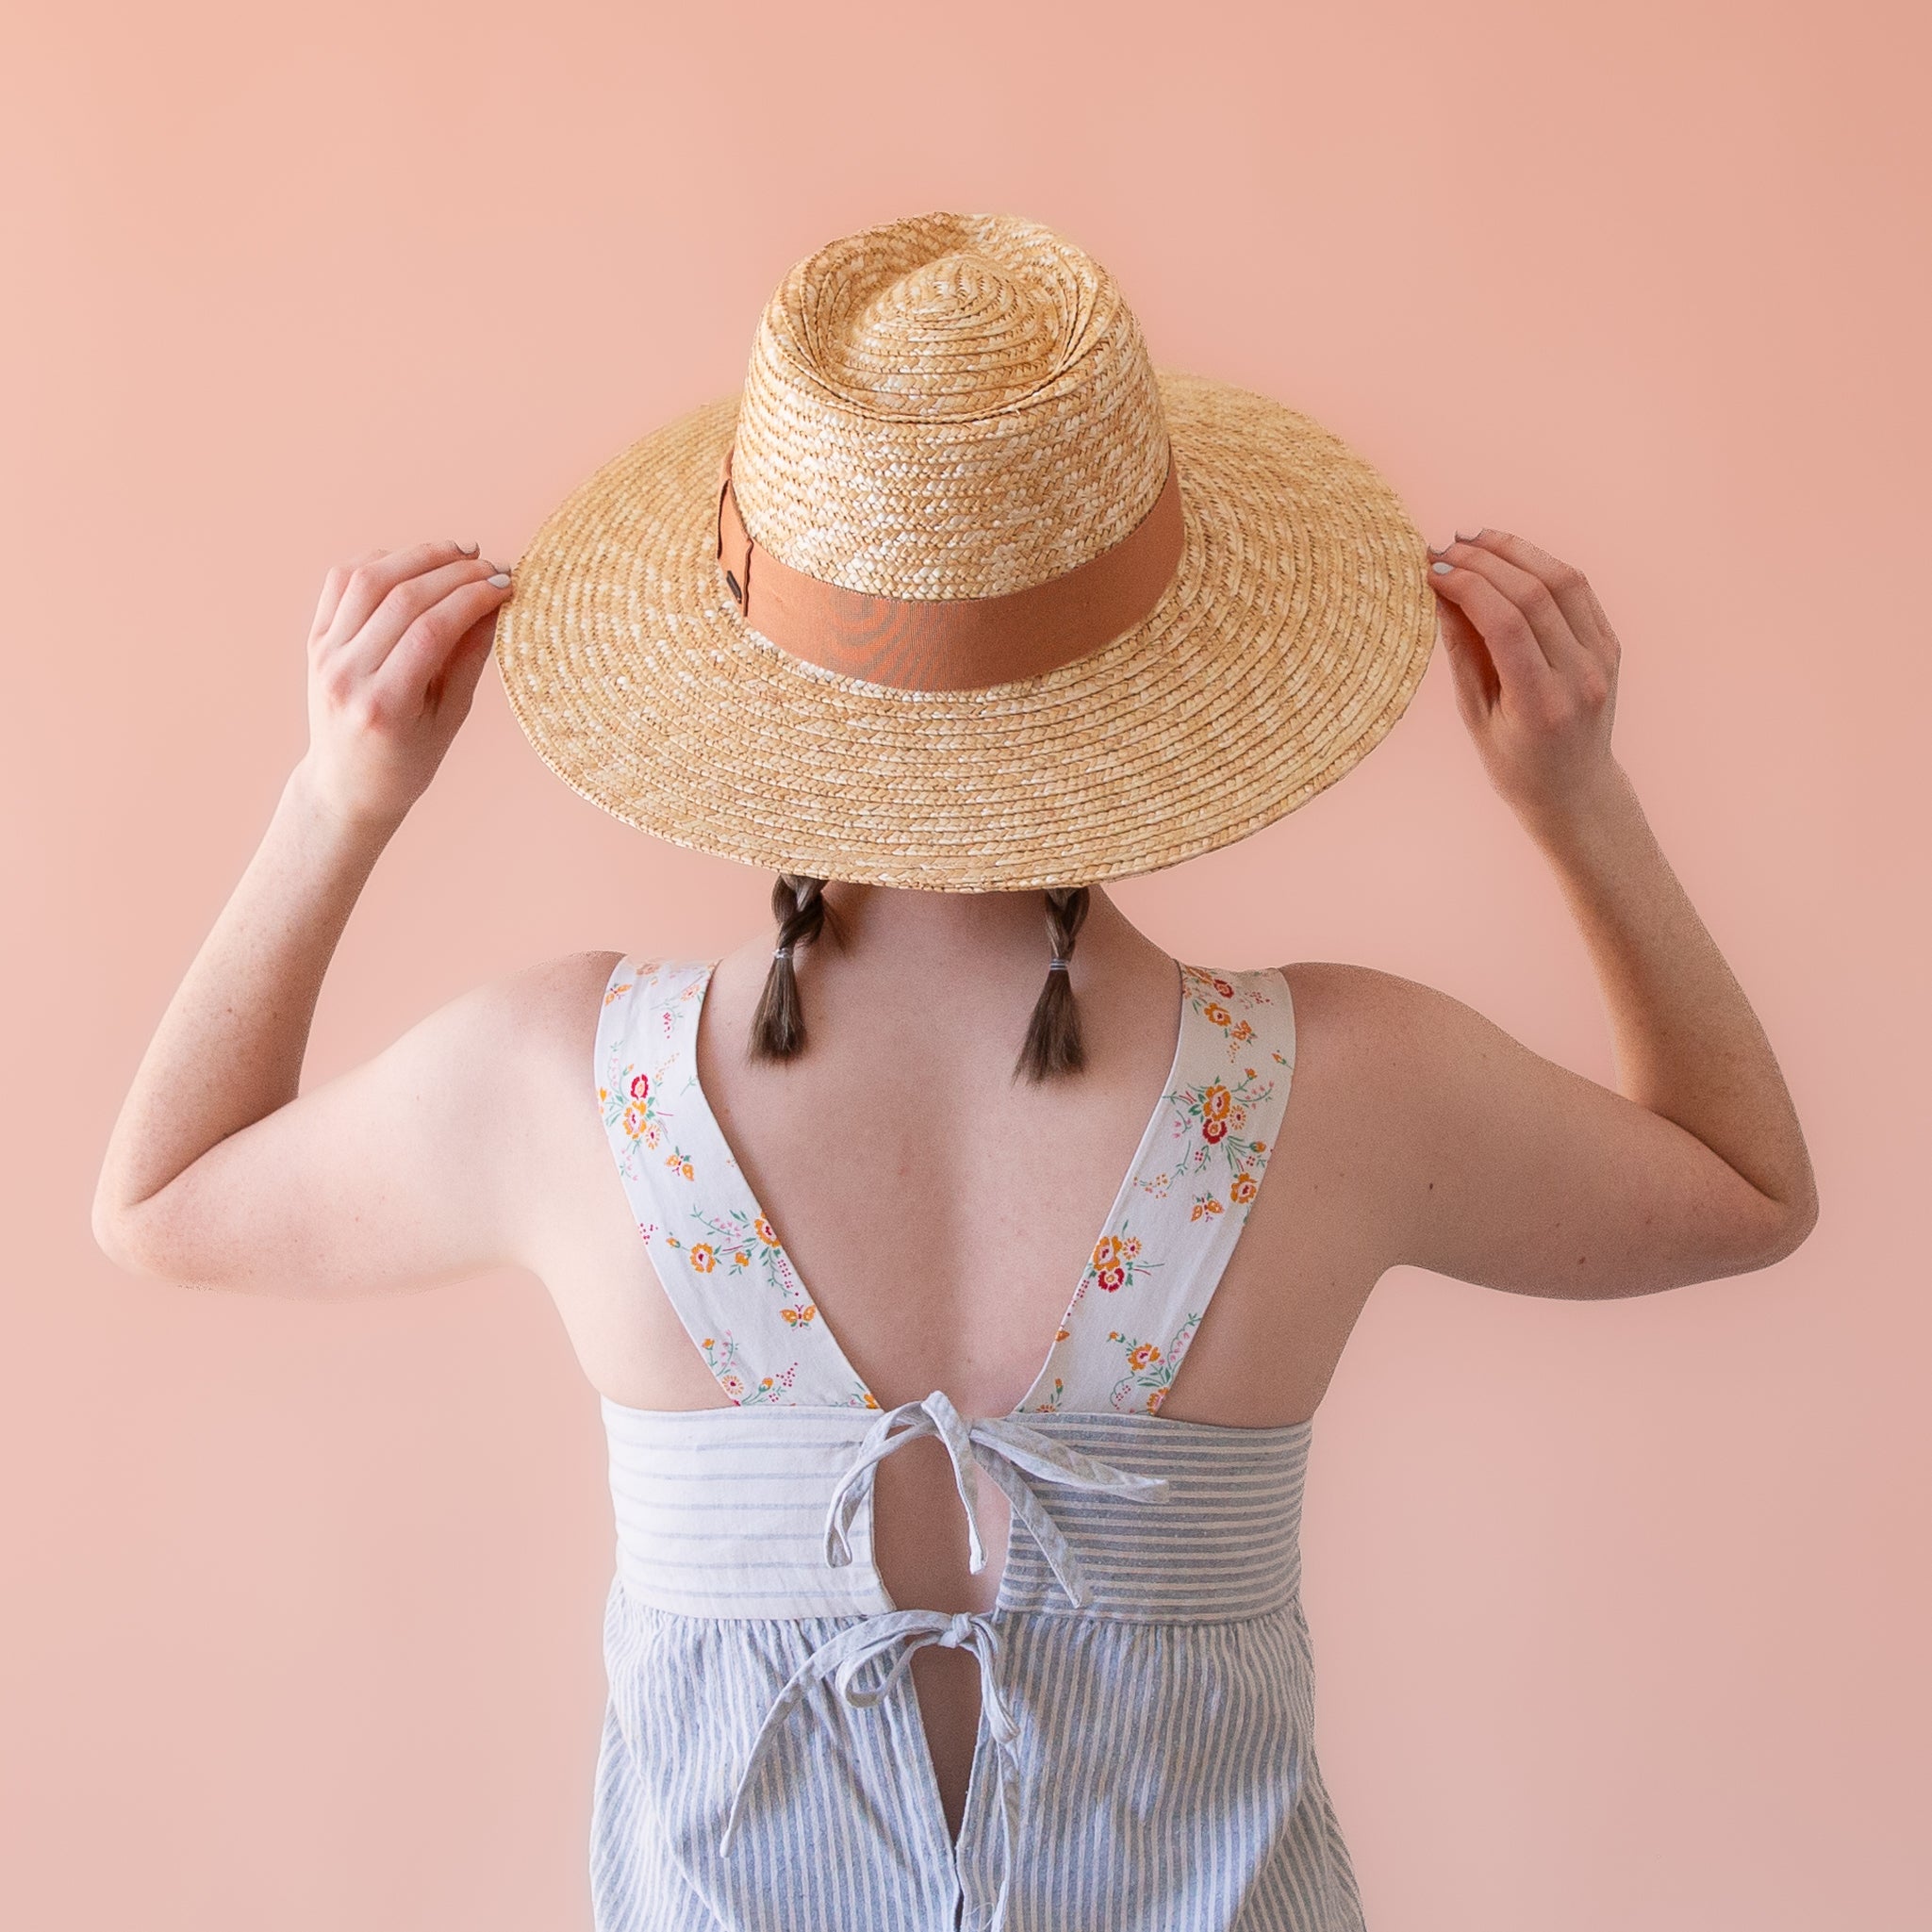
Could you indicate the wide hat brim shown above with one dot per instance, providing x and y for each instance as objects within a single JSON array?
[{"x": 1296, "y": 628}]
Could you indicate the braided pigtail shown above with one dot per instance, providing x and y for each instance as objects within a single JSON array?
[
  {"x": 777, "y": 1027},
  {"x": 1053, "y": 1043}
]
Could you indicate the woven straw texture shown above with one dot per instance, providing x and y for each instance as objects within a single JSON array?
[{"x": 963, "y": 406}]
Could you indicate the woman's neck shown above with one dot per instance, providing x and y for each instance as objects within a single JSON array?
[{"x": 914, "y": 927}]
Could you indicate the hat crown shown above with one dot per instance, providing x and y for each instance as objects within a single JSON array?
[{"x": 947, "y": 406}]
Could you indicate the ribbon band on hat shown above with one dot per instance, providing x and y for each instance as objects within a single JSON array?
[{"x": 952, "y": 644}]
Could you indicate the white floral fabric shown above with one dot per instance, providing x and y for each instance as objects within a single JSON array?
[{"x": 1153, "y": 1269}]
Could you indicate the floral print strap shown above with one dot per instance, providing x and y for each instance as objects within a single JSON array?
[
  {"x": 719, "y": 1260},
  {"x": 1184, "y": 1203}
]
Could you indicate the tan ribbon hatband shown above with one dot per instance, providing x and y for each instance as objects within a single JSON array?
[{"x": 952, "y": 644}]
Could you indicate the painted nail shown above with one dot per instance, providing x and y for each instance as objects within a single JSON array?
[
  {"x": 1442, "y": 569},
  {"x": 501, "y": 581},
  {"x": 1470, "y": 538},
  {"x": 468, "y": 550}
]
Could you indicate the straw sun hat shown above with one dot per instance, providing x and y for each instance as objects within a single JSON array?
[{"x": 961, "y": 593}]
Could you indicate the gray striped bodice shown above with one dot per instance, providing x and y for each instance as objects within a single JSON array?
[{"x": 1158, "y": 1769}]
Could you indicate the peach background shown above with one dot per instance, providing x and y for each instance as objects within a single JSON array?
[{"x": 1619, "y": 1610}]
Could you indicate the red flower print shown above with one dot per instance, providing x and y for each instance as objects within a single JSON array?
[
  {"x": 1224, "y": 989},
  {"x": 1111, "y": 1279},
  {"x": 1214, "y": 1131},
  {"x": 640, "y": 1086}
]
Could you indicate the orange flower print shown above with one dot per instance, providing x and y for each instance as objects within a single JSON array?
[
  {"x": 733, "y": 1386},
  {"x": 1117, "y": 1264},
  {"x": 703, "y": 1257},
  {"x": 1241, "y": 1031},
  {"x": 1143, "y": 1357},
  {"x": 1215, "y": 1101},
  {"x": 1241, "y": 1190},
  {"x": 1061, "y": 1334},
  {"x": 1217, "y": 1015},
  {"x": 1155, "y": 1399},
  {"x": 739, "y": 1259},
  {"x": 767, "y": 1233}
]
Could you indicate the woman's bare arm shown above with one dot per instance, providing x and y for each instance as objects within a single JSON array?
[
  {"x": 1498, "y": 1166},
  {"x": 215, "y": 1171}
]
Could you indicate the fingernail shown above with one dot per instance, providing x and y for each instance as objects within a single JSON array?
[
  {"x": 1470, "y": 538},
  {"x": 501, "y": 581},
  {"x": 469, "y": 550},
  {"x": 1442, "y": 569}
]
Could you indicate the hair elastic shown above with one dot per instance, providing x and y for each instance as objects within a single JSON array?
[
  {"x": 783, "y": 952},
  {"x": 1059, "y": 966}
]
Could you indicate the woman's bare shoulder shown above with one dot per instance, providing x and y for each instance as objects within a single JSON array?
[
  {"x": 1362, "y": 1012},
  {"x": 546, "y": 1008}
]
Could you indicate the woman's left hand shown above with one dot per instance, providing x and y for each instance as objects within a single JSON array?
[{"x": 1535, "y": 663}]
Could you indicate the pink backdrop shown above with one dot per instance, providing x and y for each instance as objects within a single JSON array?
[{"x": 1619, "y": 1609}]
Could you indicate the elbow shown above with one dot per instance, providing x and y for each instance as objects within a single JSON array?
[
  {"x": 126, "y": 1235},
  {"x": 1780, "y": 1226},
  {"x": 114, "y": 1236},
  {"x": 1800, "y": 1217}
]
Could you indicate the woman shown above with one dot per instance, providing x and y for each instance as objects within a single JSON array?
[{"x": 956, "y": 612}]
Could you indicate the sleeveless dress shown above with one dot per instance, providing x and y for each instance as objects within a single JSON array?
[{"x": 1145, "y": 1758}]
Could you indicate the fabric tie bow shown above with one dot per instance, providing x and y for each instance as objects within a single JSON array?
[{"x": 1009, "y": 1452}]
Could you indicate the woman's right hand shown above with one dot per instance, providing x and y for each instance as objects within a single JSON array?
[{"x": 398, "y": 644}]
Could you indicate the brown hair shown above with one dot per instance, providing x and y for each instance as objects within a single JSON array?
[{"x": 1053, "y": 1044}]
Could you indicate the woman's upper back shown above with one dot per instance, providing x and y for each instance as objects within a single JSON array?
[{"x": 942, "y": 1211}]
